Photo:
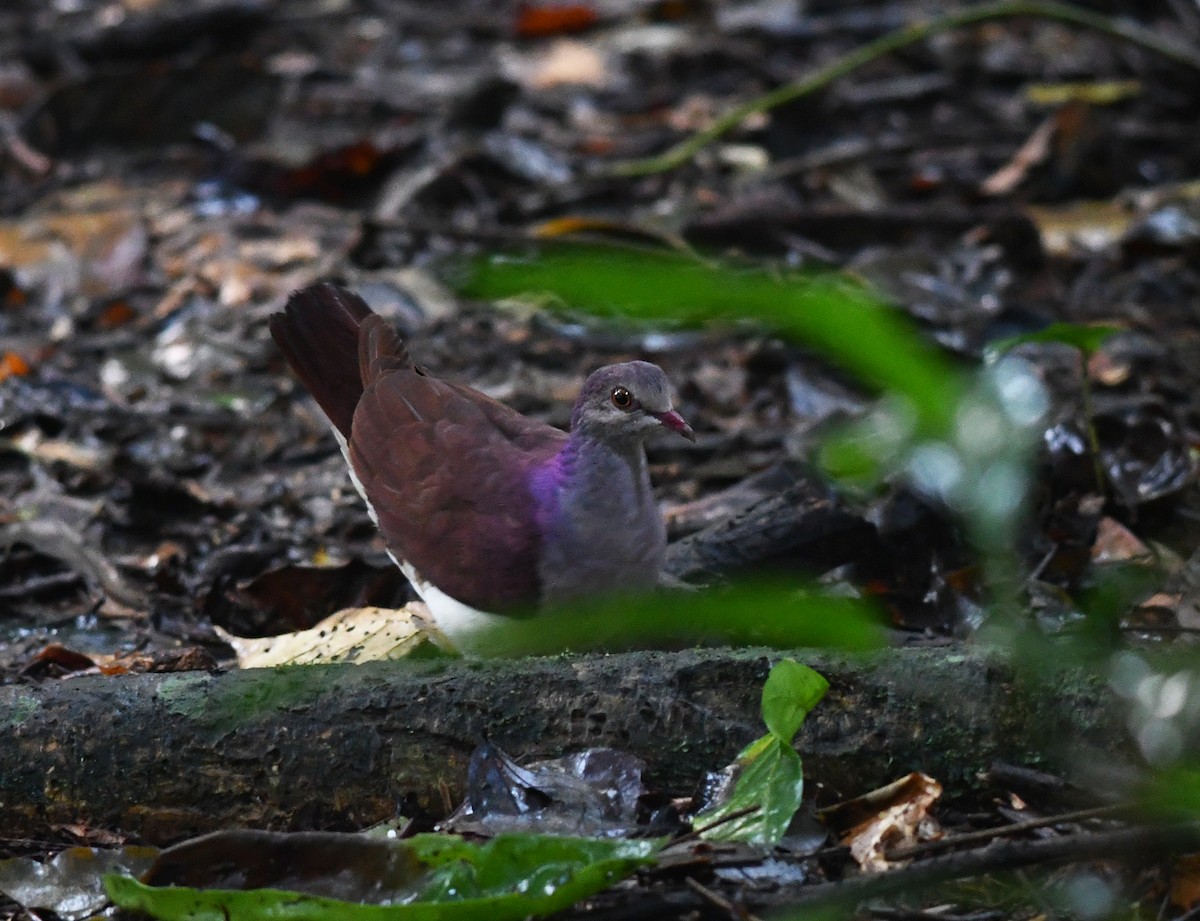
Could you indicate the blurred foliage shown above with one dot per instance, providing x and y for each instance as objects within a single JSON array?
[
  {"x": 827, "y": 310},
  {"x": 754, "y": 613},
  {"x": 1087, "y": 338}
]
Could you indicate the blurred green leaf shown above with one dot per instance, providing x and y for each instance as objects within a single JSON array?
[
  {"x": 751, "y": 613},
  {"x": 508, "y": 877},
  {"x": 1087, "y": 338},
  {"x": 1173, "y": 793},
  {"x": 830, "y": 311},
  {"x": 791, "y": 691},
  {"x": 537, "y": 866}
]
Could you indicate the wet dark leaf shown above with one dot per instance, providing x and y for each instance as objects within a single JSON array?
[
  {"x": 592, "y": 793},
  {"x": 69, "y": 884}
]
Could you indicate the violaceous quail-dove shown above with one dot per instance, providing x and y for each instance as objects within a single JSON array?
[{"x": 485, "y": 510}]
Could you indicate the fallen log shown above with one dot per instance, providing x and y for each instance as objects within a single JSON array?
[{"x": 341, "y": 747}]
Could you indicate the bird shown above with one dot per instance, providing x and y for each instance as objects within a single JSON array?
[{"x": 486, "y": 511}]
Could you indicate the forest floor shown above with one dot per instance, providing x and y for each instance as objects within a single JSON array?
[{"x": 170, "y": 171}]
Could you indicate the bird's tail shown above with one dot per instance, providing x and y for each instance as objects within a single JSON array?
[{"x": 318, "y": 335}]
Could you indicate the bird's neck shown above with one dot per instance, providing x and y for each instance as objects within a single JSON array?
[
  {"x": 585, "y": 457},
  {"x": 589, "y": 469},
  {"x": 599, "y": 521}
]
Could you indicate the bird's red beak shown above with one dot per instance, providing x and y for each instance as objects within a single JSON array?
[{"x": 675, "y": 423}]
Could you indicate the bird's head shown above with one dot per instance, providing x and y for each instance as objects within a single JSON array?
[{"x": 626, "y": 403}]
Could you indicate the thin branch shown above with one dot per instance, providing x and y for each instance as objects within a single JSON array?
[
  {"x": 1132, "y": 33},
  {"x": 59, "y": 540},
  {"x": 1017, "y": 828},
  {"x": 734, "y": 911},
  {"x": 1147, "y": 841},
  {"x": 699, "y": 830}
]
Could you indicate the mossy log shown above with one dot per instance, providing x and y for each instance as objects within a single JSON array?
[{"x": 164, "y": 756}]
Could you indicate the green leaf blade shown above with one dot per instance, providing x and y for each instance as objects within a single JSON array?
[
  {"x": 1085, "y": 337},
  {"x": 770, "y": 785},
  {"x": 791, "y": 691},
  {"x": 769, "y": 781}
]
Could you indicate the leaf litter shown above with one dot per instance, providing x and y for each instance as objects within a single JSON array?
[{"x": 137, "y": 379}]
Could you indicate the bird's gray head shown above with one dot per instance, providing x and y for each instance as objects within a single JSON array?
[{"x": 626, "y": 403}]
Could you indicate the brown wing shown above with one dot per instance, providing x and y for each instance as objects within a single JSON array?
[{"x": 447, "y": 471}]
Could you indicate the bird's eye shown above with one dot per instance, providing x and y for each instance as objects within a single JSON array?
[{"x": 622, "y": 398}]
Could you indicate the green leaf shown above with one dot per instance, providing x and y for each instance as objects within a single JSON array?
[
  {"x": 769, "y": 774},
  {"x": 770, "y": 782},
  {"x": 509, "y": 877},
  {"x": 1087, "y": 338},
  {"x": 791, "y": 691}
]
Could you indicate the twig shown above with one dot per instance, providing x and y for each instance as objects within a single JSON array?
[
  {"x": 735, "y": 911},
  {"x": 1161, "y": 628},
  {"x": 988, "y": 834},
  {"x": 1144, "y": 841},
  {"x": 715, "y": 823},
  {"x": 57, "y": 539},
  {"x": 1089, "y": 422},
  {"x": 913, "y": 914},
  {"x": 1137, "y": 35}
]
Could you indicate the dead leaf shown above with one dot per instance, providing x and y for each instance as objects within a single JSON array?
[
  {"x": 1095, "y": 93},
  {"x": 1092, "y": 226},
  {"x": 353, "y": 635},
  {"x": 570, "y": 63},
  {"x": 1185, "y": 882},
  {"x": 98, "y": 231},
  {"x": 57, "y": 659},
  {"x": 12, "y": 365},
  {"x": 1115, "y": 543},
  {"x": 880, "y": 821}
]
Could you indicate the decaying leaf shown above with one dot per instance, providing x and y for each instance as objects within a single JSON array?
[
  {"x": 352, "y": 635},
  {"x": 1185, "y": 882},
  {"x": 893, "y": 816}
]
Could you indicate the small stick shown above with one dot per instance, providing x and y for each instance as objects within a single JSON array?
[
  {"x": 735, "y": 911},
  {"x": 716, "y": 823},
  {"x": 987, "y": 834},
  {"x": 1146, "y": 841},
  {"x": 900, "y": 38}
]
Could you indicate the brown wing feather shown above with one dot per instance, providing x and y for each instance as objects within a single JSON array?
[
  {"x": 447, "y": 471},
  {"x": 318, "y": 335}
]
